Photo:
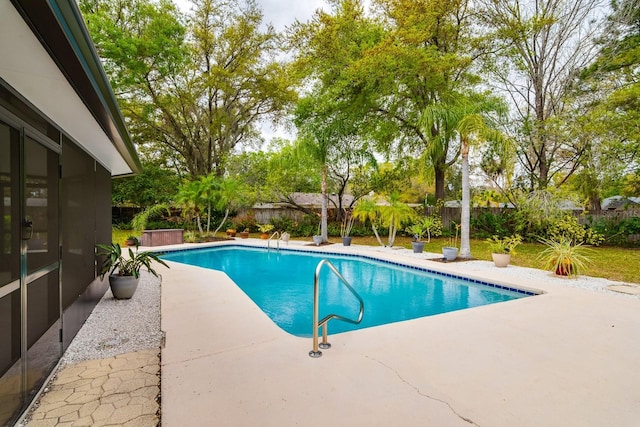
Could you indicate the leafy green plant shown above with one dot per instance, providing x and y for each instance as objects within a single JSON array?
[
  {"x": 126, "y": 265},
  {"x": 487, "y": 224},
  {"x": 617, "y": 232},
  {"x": 347, "y": 223},
  {"x": 504, "y": 245},
  {"x": 568, "y": 227},
  {"x": 565, "y": 258},
  {"x": 265, "y": 228},
  {"x": 430, "y": 225},
  {"x": 141, "y": 219}
]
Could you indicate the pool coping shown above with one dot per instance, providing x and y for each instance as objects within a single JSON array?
[
  {"x": 568, "y": 354},
  {"x": 378, "y": 257}
]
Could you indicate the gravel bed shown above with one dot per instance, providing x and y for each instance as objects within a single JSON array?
[{"x": 120, "y": 326}]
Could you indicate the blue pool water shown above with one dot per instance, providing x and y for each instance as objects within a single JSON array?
[{"x": 281, "y": 284}]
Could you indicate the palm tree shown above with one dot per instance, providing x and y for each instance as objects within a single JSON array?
[
  {"x": 229, "y": 194},
  {"x": 394, "y": 214},
  {"x": 208, "y": 190},
  {"x": 367, "y": 209},
  {"x": 470, "y": 120},
  {"x": 189, "y": 198},
  {"x": 326, "y": 130}
]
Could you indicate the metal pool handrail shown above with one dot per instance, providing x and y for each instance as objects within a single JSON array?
[
  {"x": 277, "y": 241},
  {"x": 316, "y": 324}
]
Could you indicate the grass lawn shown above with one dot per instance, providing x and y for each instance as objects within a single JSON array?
[{"x": 619, "y": 264}]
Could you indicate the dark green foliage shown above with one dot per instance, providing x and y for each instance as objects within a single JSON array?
[
  {"x": 487, "y": 224},
  {"x": 163, "y": 224},
  {"x": 126, "y": 265},
  {"x": 619, "y": 232},
  {"x": 153, "y": 186},
  {"x": 308, "y": 226}
]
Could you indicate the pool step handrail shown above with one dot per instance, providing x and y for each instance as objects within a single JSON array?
[
  {"x": 316, "y": 294},
  {"x": 277, "y": 240}
]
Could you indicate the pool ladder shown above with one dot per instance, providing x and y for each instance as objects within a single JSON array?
[
  {"x": 316, "y": 324},
  {"x": 277, "y": 240}
]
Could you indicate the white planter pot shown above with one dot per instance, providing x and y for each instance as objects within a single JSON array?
[
  {"x": 317, "y": 240},
  {"x": 501, "y": 260},
  {"x": 449, "y": 253}
]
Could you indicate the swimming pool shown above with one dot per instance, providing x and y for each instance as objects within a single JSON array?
[{"x": 280, "y": 282}]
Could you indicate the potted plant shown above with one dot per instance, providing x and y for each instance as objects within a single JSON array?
[
  {"x": 264, "y": 230},
  {"x": 422, "y": 227},
  {"x": 564, "y": 258},
  {"x": 244, "y": 234},
  {"x": 317, "y": 238},
  {"x": 450, "y": 253},
  {"x": 345, "y": 228},
  {"x": 502, "y": 248},
  {"x": 132, "y": 241},
  {"x": 124, "y": 281},
  {"x": 417, "y": 231}
]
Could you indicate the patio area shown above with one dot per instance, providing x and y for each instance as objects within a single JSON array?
[{"x": 566, "y": 357}]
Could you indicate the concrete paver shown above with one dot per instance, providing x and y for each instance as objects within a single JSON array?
[{"x": 120, "y": 390}]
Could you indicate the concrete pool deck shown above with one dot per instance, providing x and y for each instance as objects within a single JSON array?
[{"x": 567, "y": 357}]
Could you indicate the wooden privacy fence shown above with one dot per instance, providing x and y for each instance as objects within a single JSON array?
[{"x": 450, "y": 215}]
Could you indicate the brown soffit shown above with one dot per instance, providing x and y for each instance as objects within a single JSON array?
[{"x": 59, "y": 26}]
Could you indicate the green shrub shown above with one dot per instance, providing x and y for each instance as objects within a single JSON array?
[
  {"x": 308, "y": 226},
  {"x": 244, "y": 221},
  {"x": 488, "y": 224},
  {"x": 159, "y": 225},
  {"x": 568, "y": 228},
  {"x": 617, "y": 232}
]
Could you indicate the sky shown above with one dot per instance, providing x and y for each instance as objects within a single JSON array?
[
  {"x": 280, "y": 13},
  {"x": 284, "y": 12}
]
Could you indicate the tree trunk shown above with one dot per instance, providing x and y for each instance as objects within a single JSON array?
[
  {"x": 375, "y": 231},
  {"x": 439, "y": 175},
  {"x": 323, "y": 219},
  {"x": 226, "y": 215},
  {"x": 465, "y": 220}
]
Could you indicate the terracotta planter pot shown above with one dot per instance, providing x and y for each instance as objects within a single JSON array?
[
  {"x": 264, "y": 236},
  {"x": 244, "y": 234},
  {"x": 564, "y": 270}
]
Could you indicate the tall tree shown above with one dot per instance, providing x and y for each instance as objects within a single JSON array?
[
  {"x": 323, "y": 132},
  {"x": 327, "y": 119},
  {"x": 230, "y": 194},
  {"x": 540, "y": 45},
  {"x": 388, "y": 69},
  {"x": 471, "y": 119},
  {"x": 425, "y": 57},
  {"x": 607, "y": 94},
  {"x": 193, "y": 92}
]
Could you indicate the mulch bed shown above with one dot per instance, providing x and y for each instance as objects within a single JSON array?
[
  {"x": 321, "y": 244},
  {"x": 444, "y": 261}
]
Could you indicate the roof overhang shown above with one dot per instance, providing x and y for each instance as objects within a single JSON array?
[{"x": 49, "y": 59}]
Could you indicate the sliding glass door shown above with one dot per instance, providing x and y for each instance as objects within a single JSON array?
[{"x": 30, "y": 342}]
